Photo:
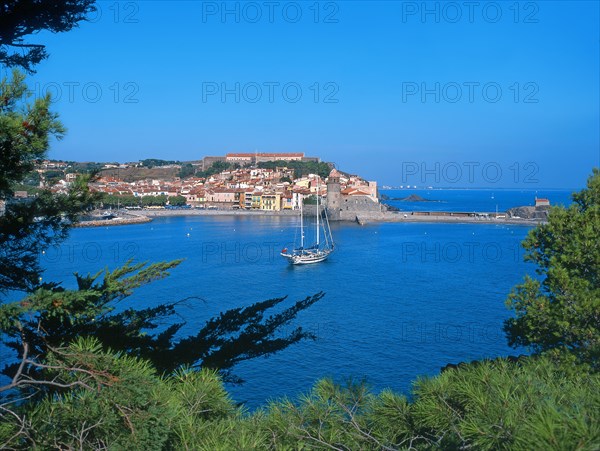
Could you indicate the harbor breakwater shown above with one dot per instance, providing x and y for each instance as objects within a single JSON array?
[
  {"x": 126, "y": 220},
  {"x": 360, "y": 217}
]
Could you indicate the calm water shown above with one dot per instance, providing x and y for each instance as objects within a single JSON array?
[
  {"x": 473, "y": 200},
  {"x": 402, "y": 300}
]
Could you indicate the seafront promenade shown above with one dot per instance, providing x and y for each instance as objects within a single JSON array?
[
  {"x": 208, "y": 212},
  {"x": 139, "y": 217}
]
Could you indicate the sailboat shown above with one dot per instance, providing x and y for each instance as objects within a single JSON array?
[{"x": 319, "y": 251}]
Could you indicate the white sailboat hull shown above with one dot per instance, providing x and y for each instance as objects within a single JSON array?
[{"x": 307, "y": 257}]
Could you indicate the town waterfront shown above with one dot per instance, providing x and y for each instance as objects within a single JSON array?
[{"x": 402, "y": 300}]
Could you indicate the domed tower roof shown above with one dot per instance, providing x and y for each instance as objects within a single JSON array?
[
  {"x": 335, "y": 173},
  {"x": 334, "y": 176}
]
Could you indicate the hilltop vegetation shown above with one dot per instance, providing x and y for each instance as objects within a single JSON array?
[
  {"x": 301, "y": 168},
  {"x": 156, "y": 162},
  {"x": 134, "y": 174}
]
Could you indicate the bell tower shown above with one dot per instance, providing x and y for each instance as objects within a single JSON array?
[{"x": 334, "y": 195}]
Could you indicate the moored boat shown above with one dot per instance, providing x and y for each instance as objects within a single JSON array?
[{"x": 322, "y": 248}]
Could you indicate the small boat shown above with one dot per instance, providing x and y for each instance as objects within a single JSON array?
[
  {"x": 319, "y": 251},
  {"x": 108, "y": 215}
]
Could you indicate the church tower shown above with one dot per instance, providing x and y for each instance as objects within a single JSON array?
[{"x": 334, "y": 195}]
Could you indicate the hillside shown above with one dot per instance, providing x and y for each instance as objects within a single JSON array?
[{"x": 134, "y": 174}]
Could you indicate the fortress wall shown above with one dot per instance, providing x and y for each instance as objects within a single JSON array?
[{"x": 361, "y": 207}]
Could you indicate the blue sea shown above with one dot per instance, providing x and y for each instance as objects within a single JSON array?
[
  {"x": 470, "y": 200},
  {"x": 402, "y": 300}
]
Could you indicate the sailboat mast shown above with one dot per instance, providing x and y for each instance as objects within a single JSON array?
[
  {"x": 328, "y": 229},
  {"x": 301, "y": 222},
  {"x": 318, "y": 211}
]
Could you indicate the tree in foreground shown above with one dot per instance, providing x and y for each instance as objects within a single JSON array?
[
  {"x": 27, "y": 228},
  {"x": 115, "y": 401},
  {"x": 559, "y": 312},
  {"x": 533, "y": 404},
  {"x": 52, "y": 317},
  {"x": 21, "y": 18},
  {"x": 49, "y": 318}
]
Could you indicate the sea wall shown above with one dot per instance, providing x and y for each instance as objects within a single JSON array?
[
  {"x": 113, "y": 222},
  {"x": 360, "y": 216},
  {"x": 448, "y": 218},
  {"x": 361, "y": 208}
]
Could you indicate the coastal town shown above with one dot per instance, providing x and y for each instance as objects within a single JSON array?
[{"x": 243, "y": 184}]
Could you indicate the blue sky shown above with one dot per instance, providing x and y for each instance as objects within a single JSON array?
[{"x": 413, "y": 93}]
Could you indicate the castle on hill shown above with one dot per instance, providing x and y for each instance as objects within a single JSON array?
[{"x": 257, "y": 157}]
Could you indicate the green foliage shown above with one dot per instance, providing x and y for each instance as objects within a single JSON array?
[
  {"x": 85, "y": 167},
  {"x": 235, "y": 335},
  {"x": 301, "y": 168},
  {"x": 177, "y": 201},
  {"x": 25, "y": 131},
  {"x": 559, "y": 313},
  {"x": 107, "y": 399},
  {"x": 52, "y": 316},
  {"x": 154, "y": 201},
  {"x": 31, "y": 190},
  {"x": 208, "y": 419},
  {"x": 84, "y": 375},
  {"x": 114, "y": 401},
  {"x": 534, "y": 404},
  {"x": 310, "y": 200},
  {"x": 503, "y": 405},
  {"x": 27, "y": 228},
  {"x": 24, "y": 17},
  {"x": 21, "y": 18},
  {"x": 216, "y": 168},
  {"x": 52, "y": 177},
  {"x": 187, "y": 170},
  {"x": 113, "y": 201},
  {"x": 32, "y": 179},
  {"x": 328, "y": 415},
  {"x": 155, "y": 162},
  {"x": 201, "y": 394}
]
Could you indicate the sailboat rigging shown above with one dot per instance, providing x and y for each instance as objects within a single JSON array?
[{"x": 319, "y": 251}]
